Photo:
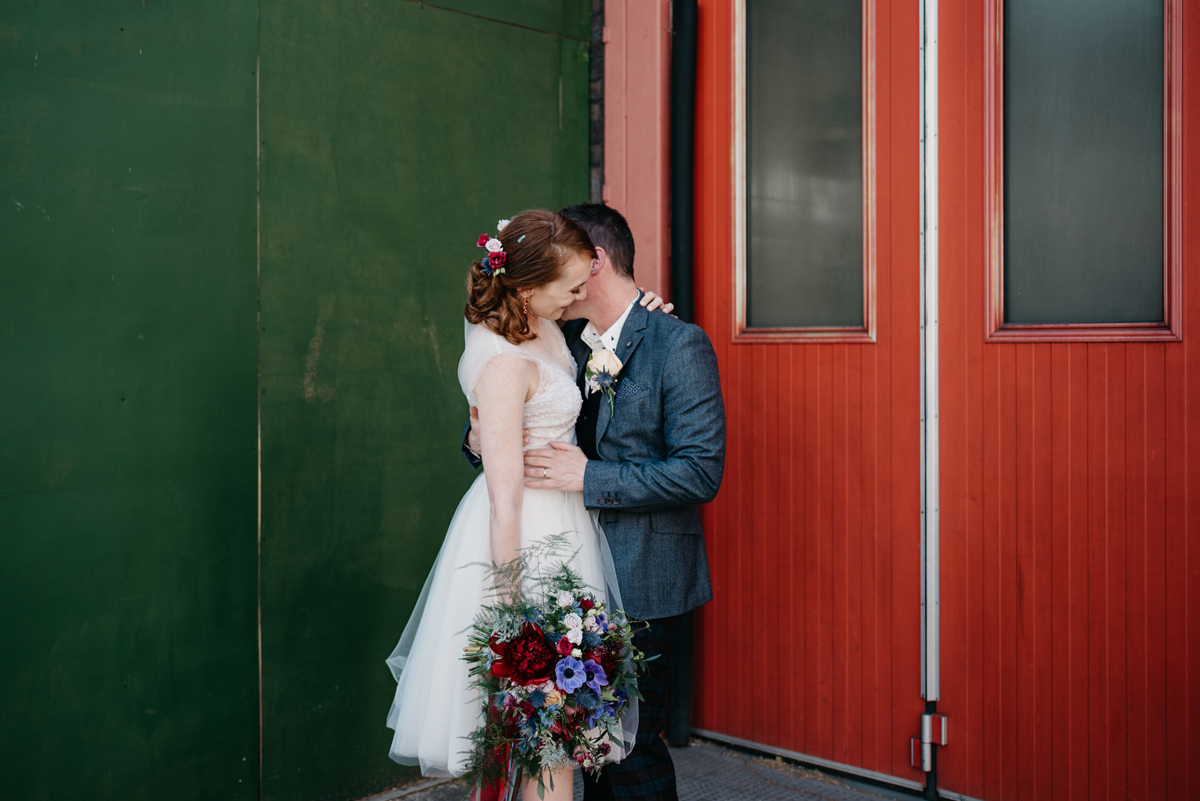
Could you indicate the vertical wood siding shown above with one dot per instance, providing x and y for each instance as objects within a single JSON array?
[
  {"x": 812, "y": 643},
  {"x": 1070, "y": 529}
]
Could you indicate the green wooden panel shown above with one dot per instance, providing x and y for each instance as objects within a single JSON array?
[
  {"x": 568, "y": 18},
  {"x": 127, "y": 408},
  {"x": 393, "y": 135}
]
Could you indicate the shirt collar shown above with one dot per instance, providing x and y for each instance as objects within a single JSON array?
[{"x": 595, "y": 340}]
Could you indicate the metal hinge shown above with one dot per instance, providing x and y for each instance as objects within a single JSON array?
[{"x": 934, "y": 731}]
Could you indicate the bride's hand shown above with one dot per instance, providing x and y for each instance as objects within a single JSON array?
[{"x": 652, "y": 301}]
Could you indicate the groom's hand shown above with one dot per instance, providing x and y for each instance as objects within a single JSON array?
[
  {"x": 474, "y": 441},
  {"x": 560, "y": 467}
]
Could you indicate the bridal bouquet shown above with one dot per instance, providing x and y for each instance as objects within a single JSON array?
[{"x": 556, "y": 669}]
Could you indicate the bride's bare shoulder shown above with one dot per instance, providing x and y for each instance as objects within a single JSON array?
[{"x": 510, "y": 371}]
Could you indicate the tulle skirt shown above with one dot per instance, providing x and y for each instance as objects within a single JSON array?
[{"x": 435, "y": 709}]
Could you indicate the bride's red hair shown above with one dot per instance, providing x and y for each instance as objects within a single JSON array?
[{"x": 537, "y": 244}]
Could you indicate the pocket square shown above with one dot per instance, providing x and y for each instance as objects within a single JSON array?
[{"x": 626, "y": 388}]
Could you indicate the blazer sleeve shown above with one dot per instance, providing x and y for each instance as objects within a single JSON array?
[
  {"x": 472, "y": 459},
  {"x": 694, "y": 433}
]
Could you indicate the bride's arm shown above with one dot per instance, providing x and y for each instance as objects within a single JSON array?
[{"x": 505, "y": 384}]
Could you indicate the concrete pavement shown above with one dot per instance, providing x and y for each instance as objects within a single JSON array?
[{"x": 707, "y": 771}]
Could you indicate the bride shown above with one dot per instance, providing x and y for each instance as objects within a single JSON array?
[{"x": 518, "y": 371}]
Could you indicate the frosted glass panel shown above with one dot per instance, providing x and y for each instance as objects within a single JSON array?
[
  {"x": 804, "y": 222},
  {"x": 1083, "y": 161}
]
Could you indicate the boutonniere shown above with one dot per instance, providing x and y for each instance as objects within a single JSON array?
[{"x": 601, "y": 373}]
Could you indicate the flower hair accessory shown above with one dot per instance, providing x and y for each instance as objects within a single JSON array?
[{"x": 493, "y": 263}]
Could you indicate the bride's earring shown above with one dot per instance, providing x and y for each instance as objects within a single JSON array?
[{"x": 526, "y": 305}]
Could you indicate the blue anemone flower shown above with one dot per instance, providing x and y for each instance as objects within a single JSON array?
[
  {"x": 594, "y": 676},
  {"x": 569, "y": 674}
]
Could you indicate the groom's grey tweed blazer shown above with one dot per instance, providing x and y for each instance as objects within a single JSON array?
[{"x": 662, "y": 452}]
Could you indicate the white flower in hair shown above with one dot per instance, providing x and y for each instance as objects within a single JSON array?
[
  {"x": 500, "y": 226},
  {"x": 493, "y": 245}
]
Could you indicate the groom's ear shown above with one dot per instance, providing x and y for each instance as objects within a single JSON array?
[{"x": 601, "y": 259}]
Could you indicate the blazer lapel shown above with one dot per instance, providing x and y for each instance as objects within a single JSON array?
[
  {"x": 579, "y": 350},
  {"x": 631, "y": 336}
]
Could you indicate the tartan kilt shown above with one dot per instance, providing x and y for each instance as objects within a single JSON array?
[{"x": 646, "y": 772}]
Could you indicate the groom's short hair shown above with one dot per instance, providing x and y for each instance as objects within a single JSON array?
[{"x": 608, "y": 230}]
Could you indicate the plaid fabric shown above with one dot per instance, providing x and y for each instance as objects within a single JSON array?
[{"x": 646, "y": 772}]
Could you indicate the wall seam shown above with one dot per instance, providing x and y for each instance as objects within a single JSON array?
[{"x": 258, "y": 373}]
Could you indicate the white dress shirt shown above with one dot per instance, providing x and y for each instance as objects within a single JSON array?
[{"x": 594, "y": 339}]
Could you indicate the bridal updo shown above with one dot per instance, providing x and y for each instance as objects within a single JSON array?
[{"x": 537, "y": 244}]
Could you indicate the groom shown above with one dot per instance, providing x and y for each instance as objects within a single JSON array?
[{"x": 644, "y": 464}]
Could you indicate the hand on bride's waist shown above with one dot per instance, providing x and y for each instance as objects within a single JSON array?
[{"x": 559, "y": 466}]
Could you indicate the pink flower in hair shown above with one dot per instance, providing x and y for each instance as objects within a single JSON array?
[
  {"x": 483, "y": 240},
  {"x": 497, "y": 259}
]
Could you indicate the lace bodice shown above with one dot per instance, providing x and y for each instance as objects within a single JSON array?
[{"x": 551, "y": 413}]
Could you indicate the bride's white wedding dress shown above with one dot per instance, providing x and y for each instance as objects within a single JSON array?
[{"x": 434, "y": 708}]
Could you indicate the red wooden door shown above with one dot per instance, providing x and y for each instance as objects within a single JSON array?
[
  {"x": 813, "y": 642},
  {"x": 1070, "y": 477}
]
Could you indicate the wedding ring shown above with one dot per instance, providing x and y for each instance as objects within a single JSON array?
[{"x": 544, "y": 469}]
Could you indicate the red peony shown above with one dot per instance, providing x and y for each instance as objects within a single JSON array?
[
  {"x": 525, "y": 660},
  {"x": 499, "y": 668},
  {"x": 483, "y": 240},
  {"x": 585, "y": 604}
]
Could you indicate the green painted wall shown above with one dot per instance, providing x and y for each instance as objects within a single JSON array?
[
  {"x": 127, "y": 401},
  {"x": 393, "y": 135}
]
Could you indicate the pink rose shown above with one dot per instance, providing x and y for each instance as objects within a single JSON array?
[
  {"x": 497, "y": 259},
  {"x": 483, "y": 240}
]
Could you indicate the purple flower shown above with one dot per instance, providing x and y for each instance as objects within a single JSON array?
[
  {"x": 570, "y": 675},
  {"x": 594, "y": 716},
  {"x": 594, "y": 675}
]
